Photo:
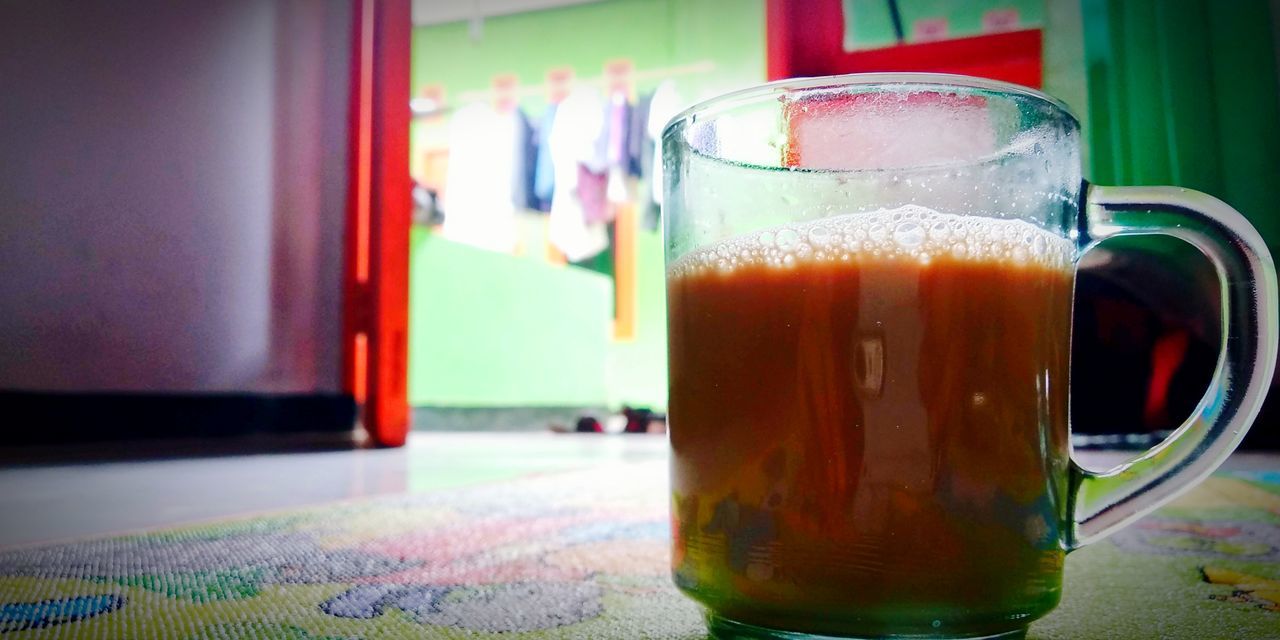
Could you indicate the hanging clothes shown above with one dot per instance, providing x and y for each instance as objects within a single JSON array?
[
  {"x": 638, "y": 135},
  {"x": 426, "y": 205},
  {"x": 577, "y": 143},
  {"x": 593, "y": 191},
  {"x": 641, "y": 148},
  {"x": 544, "y": 175},
  {"x": 479, "y": 207},
  {"x": 662, "y": 108},
  {"x": 616, "y": 149},
  {"x": 525, "y": 154},
  {"x": 619, "y": 121},
  {"x": 663, "y": 105},
  {"x": 603, "y": 263}
]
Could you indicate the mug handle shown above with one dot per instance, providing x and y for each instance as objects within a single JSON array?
[{"x": 1101, "y": 503}]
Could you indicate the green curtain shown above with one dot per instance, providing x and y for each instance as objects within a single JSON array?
[{"x": 1184, "y": 92}]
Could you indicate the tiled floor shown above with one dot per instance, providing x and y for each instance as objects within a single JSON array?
[{"x": 48, "y": 502}]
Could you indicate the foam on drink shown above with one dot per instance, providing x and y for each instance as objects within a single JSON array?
[{"x": 911, "y": 233}]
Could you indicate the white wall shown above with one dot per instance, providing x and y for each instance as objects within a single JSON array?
[{"x": 172, "y": 183}]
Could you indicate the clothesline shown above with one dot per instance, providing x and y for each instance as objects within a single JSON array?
[
  {"x": 427, "y": 106},
  {"x": 587, "y": 156}
]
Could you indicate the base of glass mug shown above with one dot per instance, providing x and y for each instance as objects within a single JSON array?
[{"x": 722, "y": 628}]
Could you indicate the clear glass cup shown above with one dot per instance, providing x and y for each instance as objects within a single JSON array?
[{"x": 869, "y": 283}]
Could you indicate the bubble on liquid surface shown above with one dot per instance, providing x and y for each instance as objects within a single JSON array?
[
  {"x": 786, "y": 239},
  {"x": 940, "y": 231},
  {"x": 821, "y": 236},
  {"x": 1039, "y": 245},
  {"x": 909, "y": 233}
]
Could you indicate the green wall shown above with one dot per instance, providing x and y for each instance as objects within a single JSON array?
[
  {"x": 637, "y": 368},
  {"x": 496, "y": 330},
  {"x": 653, "y": 34},
  {"x": 491, "y": 329}
]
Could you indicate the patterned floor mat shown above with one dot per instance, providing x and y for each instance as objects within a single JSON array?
[{"x": 574, "y": 555}]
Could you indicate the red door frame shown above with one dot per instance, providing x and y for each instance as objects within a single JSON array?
[
  {"x": 379, "y": 209},
  {"x": 806, "y": 38}
]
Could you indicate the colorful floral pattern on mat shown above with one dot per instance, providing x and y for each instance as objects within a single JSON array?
[{"x": 580, "y": 555}]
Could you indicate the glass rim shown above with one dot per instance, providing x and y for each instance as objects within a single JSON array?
[{"x": 943, "y": 80}]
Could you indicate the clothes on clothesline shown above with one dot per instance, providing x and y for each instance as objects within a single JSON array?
[
  {"x": 482, "y": 155},
  {"x": 577, "y": 164},
  {"x": 544, "y": 179},
  {"x": 578, "y": 146},
  {"x": 593, "y": 191},
  {"x": 617, "y": 147},
  {"x": 526, "y": 153},
  {"x": 663, "y": 106},
  {"x": 426, "y": 206},
  {"x": 639, "y": 144}
]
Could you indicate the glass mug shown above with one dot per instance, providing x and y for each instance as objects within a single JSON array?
[{"x": 869, "y": 289}]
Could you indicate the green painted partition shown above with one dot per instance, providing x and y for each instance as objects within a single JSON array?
[
  {"x": 491, "y": 329},
  {"x": 652, "y": 34},
  {"x": 637, "y": 368}
]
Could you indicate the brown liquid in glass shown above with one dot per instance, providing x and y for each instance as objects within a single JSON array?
[{"x": 869, "y": 424}]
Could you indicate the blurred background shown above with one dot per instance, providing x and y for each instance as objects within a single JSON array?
[{"x": 240, "y": 217}]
